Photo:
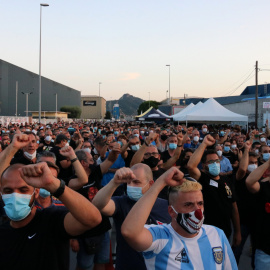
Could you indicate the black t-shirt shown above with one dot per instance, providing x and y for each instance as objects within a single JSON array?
[
  {"x": 129, "y": 158},
  {"x": 64, "y": 173},
  {"x": 89, "y": 191},
  {"x": 22, "y": 160},
  {"x": 230, "y": 156},
  {"x": 165, "y": 156},
  {"x": 164, "y": 192},
  {"x": 41, "y": 244},
  {"x": 218, "y": 197},
  {"x": 126, "y": 257},
  {"x": 262, "y": 238},
  {"x": 45, "y": 147}
]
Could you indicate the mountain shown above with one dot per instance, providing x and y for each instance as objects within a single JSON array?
[{"x": 128, "y": 104}]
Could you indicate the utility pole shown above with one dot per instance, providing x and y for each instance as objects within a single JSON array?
[
  {"x": 16, "y": 98},
  {"x": 256, "y": 95}
]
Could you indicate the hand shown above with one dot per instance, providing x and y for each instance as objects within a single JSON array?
[
  {"x": 67, "y": 151},
  {"x": 20, "y": 140},
  {"x": 39, "y": 176},
  {"x": 123, "y": 175},
  {"x": 209, "y": 140},
  {"x": 180, "y": 138},
  {"x": 173, "y": 177},
  {"x": 152, "y": 137},
  {"x": 247, "y": 145},
  {"x": 237, "y": 239},
  {"x": 74, "y": 244},
  {"x": 113, "y": 155}
]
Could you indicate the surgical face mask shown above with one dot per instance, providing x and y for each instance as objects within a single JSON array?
[
  {"x": 116, "y": 133},
  {"x": 204, "y": 130},
  {"x": 66, "y": 145},
  {"x": 196, "y": 138},
  {"x": 137, "y": 135},
  {"x": 266, "y": 156},
  {"x": 214, "y": 169},
  {"x": 222, "y": 133},
  {"x": 251, "y": 167},
  {"x": 135, "y": 147},
  {"x": 30, "y": 156},
  {"x": 172, "y": 146},
  {"x": 92, "y": 167},
  {"x": 142, "y": 132},
  {"x": 262, "y": 139},
  {"x": 219, "y": 152},
  {"x": 88, "y": 150},
  {"x": 152, "y": 162},
  {"x": 44, "y": 193},
  {"x": 191, "y": 222},
  {"x": 226, "y": 148},
  {"x": 52, "y": 140},
  {"x": 121, "y": 144},
  {"x": 48, "y": 138},
  {"x": 135, "y": 193},
  {"x": 233, "y": 146},
  {"x": 17, "y": 205},
  {"x": 37, "y": 142},
  {"x": 256, "y": 151},
  {"x": 103, "y": 136}
]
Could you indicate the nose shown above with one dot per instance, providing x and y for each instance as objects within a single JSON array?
[{"x": 199, "y": 214}]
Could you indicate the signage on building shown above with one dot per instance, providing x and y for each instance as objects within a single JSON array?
[
  {"x": 266, "y": 105},
  {"x": 89, "y": 103}
]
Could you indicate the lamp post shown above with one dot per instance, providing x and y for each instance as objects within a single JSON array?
[
  {"x": 27, "y": 94},
  {"x": 149, "y": 99},
  {"x": 99, "y": 88},
  {"x": 55, "y": 105},
  {"x": 169, "y": 82},
  {"x": 39, "y": 100}
]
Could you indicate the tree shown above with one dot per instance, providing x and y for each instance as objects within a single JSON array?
[
  {"x": 108, "y": 115},
  {"x": 74, "y": 111},
  {"x": 145, "y": 106}
]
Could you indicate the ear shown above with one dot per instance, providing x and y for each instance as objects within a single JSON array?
[
  {"x": 151, "y": 182},
  {"x": 171, "y": 212},
  {"x": 36, "y": 193}
]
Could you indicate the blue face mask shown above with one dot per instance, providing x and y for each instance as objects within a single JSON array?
[
  {"x": 37, "y": 142},
  {"x": 116, "y": 133},
  {"x": 266, "y": 156},
  {"x": 17, "y": 205},
  {"x": 52, "y": 140},
  {"x": 44, "y": 193},
  {"x": 99, "y": 131},
  {"x": 134, "y": 193},
  {"x": 104, "y": 136},
  {"x": 121, "y": 144},
  {"x": 172, "y": 146},
  {"x": 222, "y": 133},
  {"x": 135, "y": 147},
  {"x": 214, "y": 169},
  {"x": 187, "y": 145},
  {"x": 137, "y": 135},
  {"x": 226, "y": 148}
]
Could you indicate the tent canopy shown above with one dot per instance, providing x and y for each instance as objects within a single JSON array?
[
  {"x": 212, "y": 111},
  {"x": 179, "y": 114},
  {"x": 182, "y": 117},
  {"x": 152, "y": 115}
]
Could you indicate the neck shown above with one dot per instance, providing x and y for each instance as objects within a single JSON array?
[
  {"x": 44, "y": 202},
  {"x": 24, "y": 222}
]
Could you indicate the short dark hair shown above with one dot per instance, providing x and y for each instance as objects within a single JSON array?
[
  {"x": 60, "y": 138},
  {"x": 206, "y": 153}
]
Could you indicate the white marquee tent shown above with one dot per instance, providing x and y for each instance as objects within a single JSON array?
[{"x": 183, "y": 112}]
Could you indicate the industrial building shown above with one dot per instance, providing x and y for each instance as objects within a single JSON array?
[
  {"x": 53, "y": 95},
  {"x": 93, "y": 107}
]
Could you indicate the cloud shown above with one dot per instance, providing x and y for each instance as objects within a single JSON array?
[{"x": 130, "y": 76}]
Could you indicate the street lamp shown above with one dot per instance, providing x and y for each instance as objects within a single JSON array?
[
  {"x": 27, "y": 94},
  {"x": 55, "y": 105},
  {"x": 169, "y": 82},
  {"x": 149, "y": 99},
  {"x": 39, "y": 100},
  {"x": 99, "y": 88}
]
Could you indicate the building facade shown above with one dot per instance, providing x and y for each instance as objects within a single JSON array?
[
  {"x": 53, "y": 95},
  {"x": 93, "y": 107}
]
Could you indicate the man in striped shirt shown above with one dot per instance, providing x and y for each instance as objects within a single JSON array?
[{"x": 185, "y": 243}]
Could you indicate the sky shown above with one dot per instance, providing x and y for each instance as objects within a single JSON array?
[{"x": 210, "y": 45}]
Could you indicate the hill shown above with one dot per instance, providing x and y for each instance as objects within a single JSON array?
[{"x": 128, "y": 104}]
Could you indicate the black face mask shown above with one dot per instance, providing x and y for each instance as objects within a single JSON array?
[
  {"x": 92, "y": 167},
  {"x": 152, "y": 162},
  {"x": 163, "y": 137}
]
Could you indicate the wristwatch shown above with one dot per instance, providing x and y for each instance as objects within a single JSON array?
[
  {"x": 60, "y": 190},
  {"x": 178, "y": 145}
]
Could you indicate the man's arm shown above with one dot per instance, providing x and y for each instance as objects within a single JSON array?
[
  {"x": 236, "y": 225},
  {"x": 19, "y": 141},
  {"x": 83, "y": 214},
  {"x": 252, "y": 181},
  {"x": 195, "y": 159},
  {"x": 133, "y": 229},
  {"x": 243, "y": 165},
  {"x": 82, "y": 179},
  {"x": 124, "y": 152},
  {"x": 103, "y": 200}
]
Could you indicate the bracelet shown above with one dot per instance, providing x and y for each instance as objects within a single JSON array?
[
  {"x": 146, "y": 143},
  {"x": 74, "y": 159},
  {"x": 60, "y": 190},
  {"x": 178, "y": 145}
]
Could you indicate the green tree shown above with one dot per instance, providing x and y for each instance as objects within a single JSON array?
[
  {"x": 108, "y": 115},
  {"x": 145, "y": 106},
  {"x": 74, "y": 111}
]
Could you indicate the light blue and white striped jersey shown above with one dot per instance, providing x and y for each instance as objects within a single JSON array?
[{"x": 209, "y": 250}]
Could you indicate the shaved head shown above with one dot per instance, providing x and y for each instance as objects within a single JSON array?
[{"x": 146, "y": 169}]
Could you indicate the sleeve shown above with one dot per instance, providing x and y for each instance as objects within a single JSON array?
[
  {"x": 229, "y": 262},
  {"x": 117, "y": 201},
  {"x": 161, "y": 238}
]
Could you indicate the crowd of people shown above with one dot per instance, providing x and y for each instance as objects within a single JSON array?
[{"x": 177, "y": 197}]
